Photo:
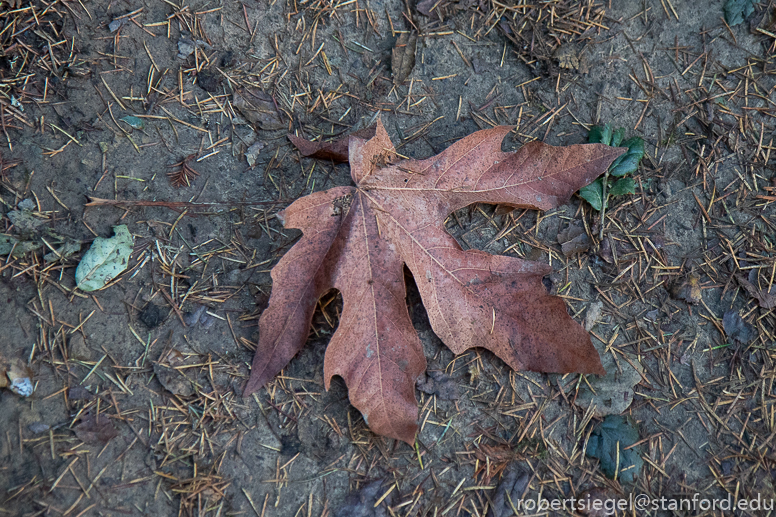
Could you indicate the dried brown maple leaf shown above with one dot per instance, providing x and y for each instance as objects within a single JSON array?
[
  {"x": 336, "y": 151},
  {"x": 358, "y": 239}
]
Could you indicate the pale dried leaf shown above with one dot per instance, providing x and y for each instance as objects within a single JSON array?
[{"x": 403, "y": 56}]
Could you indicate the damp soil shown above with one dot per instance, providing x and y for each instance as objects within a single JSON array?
[{"x": 126, "y": 113}]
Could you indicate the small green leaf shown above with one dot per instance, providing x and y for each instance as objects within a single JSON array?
[
  {"x": 628, "y": 163},
  {"x": 7, "y": 243},
  {"x": 68, "y": 248},
  {"x": 612, "y": 443},
  {"x": 19, "y": 248},
  {"x": 617, "y": 137},
  {"x": 594, "y": 194},
  {"x": 623, "y": 186},
  {"x": 736, "y": 11},
  {"x": 105, "y": 260},
  {"x": 624, "y": 164},
  {"x": 600, "y": 135},
  {"x": 24, "y": 221},
  {"x": 134, "y": 122}
]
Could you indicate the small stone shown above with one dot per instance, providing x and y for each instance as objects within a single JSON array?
[
  {"x": 38, "y": 427},
  {"x": 22, "y": 386},
  {"x": 116, "y": 24}
]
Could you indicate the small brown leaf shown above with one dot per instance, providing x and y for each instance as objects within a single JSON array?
[
  {"x": 764, "y": 298},
  {"x": 510, "y": 491},
  {"x": 736, "y": 328},
  {"x": 688, "y": 290},
  {"x": 170, "y": 374},
  {"x": 573, "y": 240},
  {"x": 252, "y": 153},
  {"x": 606, "y": 251},
  {"x": 364, "y": 502},
  {"x": 494, "y": 460},
  {"x": 613, "y": 393},
  {"x": 593, "y": 315},
  {"x": 95, "y": 430},
  {"x": 403, "y": 57},
  {"x": 79, "y": 393},
  {"x": 335, "y": 151},
  {"x": 258, "y": 108}
]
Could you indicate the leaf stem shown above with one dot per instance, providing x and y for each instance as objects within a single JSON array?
[{"x": 604, "y": 199}]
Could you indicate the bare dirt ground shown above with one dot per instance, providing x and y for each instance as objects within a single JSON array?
[{"x": 175, "y": 436}]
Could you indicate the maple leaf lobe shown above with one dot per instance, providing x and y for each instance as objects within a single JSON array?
[{"x": 358, "y": 240}]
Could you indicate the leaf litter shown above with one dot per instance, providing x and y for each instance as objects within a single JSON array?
[
  {"x": 258, "y": 108},
  {"x": 736, "y": 328},
  {"x": 573, "y": 240},
  {"x": 366, "y": 502},
  {"x": 611, "y": 394},
  {"x": 688, "y": 289},
  {"x": 171, "y": 372},
  {"x": 726, "y": 469},
  {"x": 509, "y": 492},
  {"x": 95, "y": 429},
  {"x": 614, "y": 444},
  {"x": 105, "y": 260},
  {"x": 403, "y": 56},
  {"x": 358, "y": 239},
  {"x": 765, "y": 297},
  {"x": 335, "y": 150}
]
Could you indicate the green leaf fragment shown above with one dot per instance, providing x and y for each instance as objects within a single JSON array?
[
  {"x": 105, "y": 260},
  {"x": 628, "y": 163},
  {"x": 63, "y": 252},
  {"x": 617, "y": 137},
  {"x": 610, "y": 443},
  {"x": 133, "y": 122},
  {"x": 736, "y": 11},
  {"x": 10, "y": 244},
  {"x": 24, "y": 221},
  {"x": 623, "y": 186},
  {"x": 625, "y": 164},
  {"x": 594, "y": 193},
  {"x": 600, "y": 134}
]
